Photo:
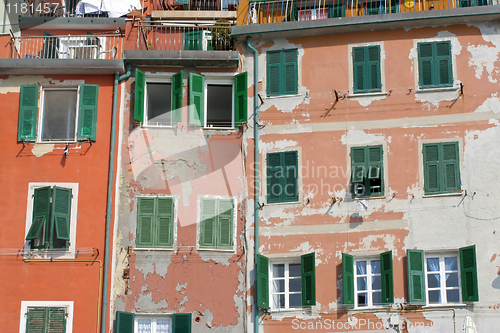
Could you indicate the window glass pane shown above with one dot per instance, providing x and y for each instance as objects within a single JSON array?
[
  {"x": 295, "y": 285},
  {"x": 279, "y": 286},
  {"x": 452, "y": 280},
  {"x": 375, "y": 264},
  {"x": 453, "y": 296},
  {"x": 433, "y": 281},
  {"x": 59, "y": 115},
  {"x": 294, "y": 270},
  {"x": 361, "y": 283},
  {"x": 162, "y": 326},
  {"x": 219, "y": 105},
  {"x": 361, "y": 267},
  {"x": 377, "y": 298},
  {"x": 432, "y": 264},
  {"x": 434, "y": 296},
  {"x": 295, "y": 300},
  {"x": 279, "y": 270},
  {"x": 451, "y": 263},
  {"x": 362, "y": 299},
  {"x": 279, "y": 301},
  {"x": 377, "y": 282},
  {"x": 144, "y": 326},
  {"x": 159, "y": 105}
]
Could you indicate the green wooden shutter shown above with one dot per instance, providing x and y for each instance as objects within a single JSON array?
[
  {"x": 145, "y": 222},
  {"x": 177, "y": 87},
  {"x": 36, "y": 320},
  {"x": 387, "y": 278},
  {"x": 124, "y": 322},
  {"x": 140, "y": 83},
  {"x": 181, "y": 323},
  {"x": 450, "y": 167},
  {"x": 358, "y": 171},
  {"x": 425, "y": 65},
  {"x": 225, "y": 224},
  {"x": 208, "y": 222},
  {"x": 50, "y": 46},
  {"x": 273, "y": 73},
  {"x": 262, "y": 281},
  {"x": 468, "y": 272},
  {"x": 56, "y": 320},
  {"x": 308, "y": 279},
  {"x": 87, "y": 112},
  {"x": 61, "y": 211},
  {"x": 375, "y": 171},
  {"x": 358, "y": 61},
  {"x": 164, "y": 222},
  {"x": 275, "y": 172},
  {"x": 193, "y": 40},
  {"x": 240, "y": 98},
  {"x": 373, "y": 66},
  {"x": 431, "y": 168},
  {"x": 290, "y": 192},
  {"x": 288, "y": 75},
  {"x": 41, "y": 210},
  {"x": 416, "y": 276},
  {"x": 443, "y": 63},
  {"x": 196, "y": 99},
  {"x": 347, "y": 279},
  {"x": 28, "y": 107}
]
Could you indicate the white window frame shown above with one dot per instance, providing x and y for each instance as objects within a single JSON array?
[
  {"x": 47, "y": 304},
  {"x": 154, "y": 319},
  {"x": 158, "y": 78},
  {"x": 442, "y": 273},
  {"x": 41, "y": 111},
  {"x": 198, "y": 220},
  {"x": 383, "y": 91},
  {"x": 369, "y": 275},
  {"x": 287, "y": 263},
  {"x": 59, "y": 253},
  {"x": 221, "y": 79}
]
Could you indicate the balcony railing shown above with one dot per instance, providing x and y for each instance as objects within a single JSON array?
[
  {"x": 68, "y": 47},
  {"x": 171, "y": 36},
  {"x": 272, "y": 11},
  {"x": 216, "y": 5}
]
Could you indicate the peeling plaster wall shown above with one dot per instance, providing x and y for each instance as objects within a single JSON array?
[{"x": 322, "y": 130}]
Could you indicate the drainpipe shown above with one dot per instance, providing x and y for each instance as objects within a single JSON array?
[
  {"x": 256, "y": 171},
  {"x": 110, "y": 196}
]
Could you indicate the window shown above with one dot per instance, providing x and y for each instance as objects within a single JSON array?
[
  {"x": 366, "y": 69},
  {"x": 155, "y": 222},
  {"x": 435, "y": 65},
  {"x": 441, "y": 168},
  {"x": 282, "y": 177},
  {"x": 436, "y": 278},
  {"x": 282, "y": 77},
  {"x": 217, "y": 101},
  {"x": 367, "y": 171},
  {"x": 66, "y": 114},
  {"x": 217, "y": 223},
  {"x": 158, "y": 102},
  {"x": 130, "y": 323},
  {"x": 51, "y": 216},
  {"x": 46, "y": 317},
  {"x": 286, "y": 284},
  {"x": 367, "y": 282}
]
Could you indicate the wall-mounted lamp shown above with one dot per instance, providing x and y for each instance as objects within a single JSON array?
[{"x": 66, "y": 150}]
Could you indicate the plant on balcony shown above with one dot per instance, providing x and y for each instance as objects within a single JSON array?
[{"x": 221, "y": 36}]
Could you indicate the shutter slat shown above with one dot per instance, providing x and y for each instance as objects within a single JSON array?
[
  {"x": 347, "y": 279},
  {"x": 240, "y": 98},
  {"x": 387, "y": 278},
  {"x": 28, "y": 110},
  {"x": 308, "y": 279},
  {"x": 290, "y": 190},
  {"x": 124, "y": 322},
  {"x": 416, "y": 276},
  {"x": 61, "y": 211},
  {"x": 140, "y": 82},
  {"x": 87, "y": 112},
  {"x": 181, "y": 323},
  {"x": 57, "y": 320},
  {"x": 262, "y": 281},
  {"x": 208, "y": 214},
  {"x": 145, "y": 221},
  {"x": 196, "y": 99},
  {"x": 468, "y": 270},
  {"x": 164, "y": 222},
  {"x": 225, "y": 224},
  {"x": 177, "y": 88},
  {"x": 36, "y": 320}
]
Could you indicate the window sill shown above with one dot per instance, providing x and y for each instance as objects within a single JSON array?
[
  {"x": 283, "y": 203},
  {"x": 49, "y": 254},
  {"x": 287, "y": 311},
  {"x": 152, "y": 249},
  {"x": 368, "y": 198},
  {"x": 157, "y": 126},
  {"x": 373, "y": 94},
  {"x": 220, "y": 128},
  {"x": 217, "y": 250},
  {"x": 450, "y": 305},
  {"x": 371, "y": 308},
  {"x": 452, "y": 194},
  {"x": 283, "y": 96},
  {"x": 436, "y": 89}
]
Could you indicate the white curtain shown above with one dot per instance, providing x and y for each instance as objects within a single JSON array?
[
  {"x": 144, "y": 326},
  {"x": 361, "y": 266},
  {"x": 162, "y": 326},
  {"x": 433, "y": 266}
]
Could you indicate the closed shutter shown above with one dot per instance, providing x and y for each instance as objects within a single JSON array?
[
  {"x": 56, "y": 320},
  {"x": 124, "y": 322},
  {"x": 181, "y": 323},
  {"x": 145, "y": 222},
  {"x": 288, "y": 76},
  {"x": 87, "y": 112},
  {"x": 387, "y": 278},
  {"x": 28, "y": 109},
  {"x": 443, "y": 59},
  {"x": 451, "y": 167},
  {"x": 290, "y": 181},
  {"x": 177, "y": 87},
  {"x": 358, "y": 171},
  {"x": 374, "y": 81},
  {"x": 308, "y": 279},
  {"x": 375, "y": 170},
  {"x": 425, "y": 64},
  {"x": 140, "y": 82},
  {"x": 193, "y": 40},
  {"x": 262, "y": 282},
  {"x": 273, "y": 73},
  {"x": 431, "y": 168},
  {"x": 164, "y": 222},
  {"x": 36, "y": 320},
  {"x": 347, "y": 279},
  {"x": 358, "y": 57},
  {"x": 208, "y": 221},
  {"x": 61, "y": 211},
  {"x": 240, "y": 99},
  {"x": 468, "y": 271},
  {"x": 275, "y": 172},
  {"x": 196, "y": 99},
  {"x": 41, "y": 210},
  {"x": 225, "y": 224},
  {"x": 416, "y": 276}
]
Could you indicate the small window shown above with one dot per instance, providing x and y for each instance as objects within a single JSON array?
[
  {"x": 127, "y": 322},
  {"x": 153, "y": 324},
  {"x": 441, "y": 168},
  {"x": 282, "y": 177},
  {"x": 46, "y": 316},
  {"x": 367, "y": 179},
  {"x": 435, "y": 65},
  {"x": 282, "y": 76},
  {"x": 66, "y": 113},
  {"x": 217, "y": 223},
  {"x": 155, "y": 222},
  {"x": 366, "y": 69}
]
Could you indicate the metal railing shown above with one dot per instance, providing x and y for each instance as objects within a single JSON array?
[
  {"x": 216, "y": 5},
  {"x": 272, "y": 11},
  {"x": 57, "y": 8},
  {"x": 68, "y": 47},
  {"x": 182, "y": 36}
]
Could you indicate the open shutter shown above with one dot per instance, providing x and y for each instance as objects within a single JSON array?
[
  {"x": 308, "y": 278},
  {"x": 375, "y": 170},
  {"x": 145, "y": 222},
  {"x": 41, "y": 209},
  {"x": 387, "y": 278},
  {"x": 140, "y": 82},
  {"x": 240, "y": 98},
  {"x": 177, "y": 87},
  {"x": 50, "y": 46},
  {"x": 347, "y": 279},
  {"x": 358, "y": 169},
  {"x": 225, "y": 224},
  {"x": 208, "y": 221},
  {"x": 181, "y": 323},
  {"x": 290, "y": 181},
  {"x": 374, "y": 82},
  {"x": 28, "y": 107},
  {"x": 443, "y": 65},
  {"x": 275, "y": 172},
  {"x": 289, "y": 75},
  {"x": 61, "y": 211},
  {"x": 87, "y": 112},
  {"x": 262, "y": 281},
  {"x": 425, "y": 65},
  {"x": 164, "y": 222},
  {"x": 468, "y": 271},
  {"x": 451, "y": 167},
  {"x": 273, "y": 73},
  {"x": 358, "y": 61},
  {"x": 124, "y": 322},
  {"x": 196, "y": 99},
  {"x": 431, "y": 168},
  {"x": 36, "y": 320},
  {"x": 56, "y": 320},
  {"x": 416, "y": 276}
]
